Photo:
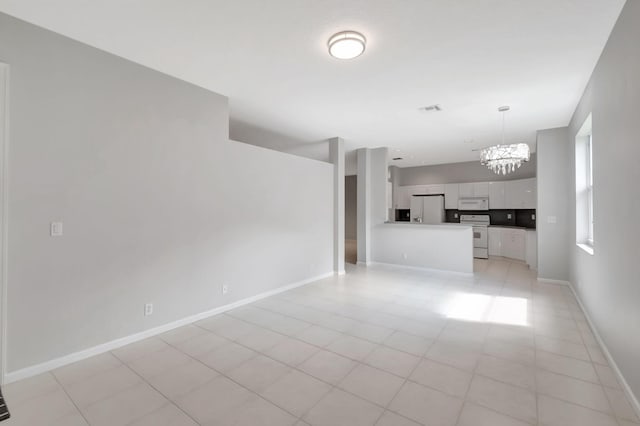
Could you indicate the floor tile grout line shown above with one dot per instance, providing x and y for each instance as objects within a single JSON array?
[
  {"x": 71, "y": 399},
  {"x": 169, "y": 400},
  {"x": 326, "y": 346},
  {"x": 333, "y": 386},
  {"x": 473, "y": 375},
  {"x": 407, "y": 379},
  {"x": 245, "y": 387}
]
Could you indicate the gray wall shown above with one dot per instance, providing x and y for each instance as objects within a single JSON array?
[
  {"x": 350, "y": 207},
  {"x": 158, "y": 205},
  {"x": 249, "y": 133},
  {"x": 471, "y": 171},
  {"x": 554, "y": 197},
  {"x": 607, "y": 282}
]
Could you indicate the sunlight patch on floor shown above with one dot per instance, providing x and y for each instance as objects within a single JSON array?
[{"x": 485, "y": 308}]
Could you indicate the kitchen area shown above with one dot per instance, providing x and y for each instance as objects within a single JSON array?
[{"x": 502, "y": 213}]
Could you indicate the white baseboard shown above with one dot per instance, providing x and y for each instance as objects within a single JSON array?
[
  {"x": 361, "y": 263},
  {"x": 123, "y": 341},
  {"x": 552, "y": 281},
  {"x": 612, "y": 363},
  {"x": 421, "y": 268}
]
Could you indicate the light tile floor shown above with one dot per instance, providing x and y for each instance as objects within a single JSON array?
[{"x": 380, "y": 346}]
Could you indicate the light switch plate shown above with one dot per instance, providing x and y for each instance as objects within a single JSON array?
[
  {"x": 551, "y": 219},
  {"x": 56, "y": 229}
]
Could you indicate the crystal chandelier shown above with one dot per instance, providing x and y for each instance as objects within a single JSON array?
[{"x": 504, "y": 158}]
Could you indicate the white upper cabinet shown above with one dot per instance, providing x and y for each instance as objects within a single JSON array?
[
  {"x": 465, "y": 190},
  {"x": 511, "y": 194},
  {"x": 434, "y": 189},
  {"x": 481, "y": 189},
  {"x": 403, "y": 194},
  {"x": 497, "y": 195},
  {"x": 426, "y": 189},
  {"x": 451, "y": 196},
  {"x": 520, "y": 194},
  {"x": 475, "y": 189},
  {"x": 402, "y": 198}
]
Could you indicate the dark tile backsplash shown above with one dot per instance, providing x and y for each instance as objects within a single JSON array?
[{"x": 523, "y": 217}]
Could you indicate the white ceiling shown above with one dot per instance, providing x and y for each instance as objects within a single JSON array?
[{"x": 270, "y": 59}]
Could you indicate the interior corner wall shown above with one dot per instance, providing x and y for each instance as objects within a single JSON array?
[
  {"x": 554, "y": 197},
  {"x": 607, "y": 281},
  {"x": 158, "y": 205}
]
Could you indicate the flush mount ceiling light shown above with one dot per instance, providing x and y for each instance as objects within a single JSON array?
[
  {"x": 346, "y": 45},
  {"x": 504, "y": 158}
]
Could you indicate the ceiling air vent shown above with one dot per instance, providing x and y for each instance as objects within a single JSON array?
[{"x": 430, "y": 108}]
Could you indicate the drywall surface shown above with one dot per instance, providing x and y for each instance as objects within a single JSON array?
[
  {"x": 554, "y": 197},
  {"x": 364, "y": 190},
  {"x": 158, "y": 205},
  {"x": 255, "y": 135},
  {"x": 471, "y": 171},
  {"x": 351, "y": 207},
  {"x": 607, "y": 281},
  {"x": 446, "y": 247}
]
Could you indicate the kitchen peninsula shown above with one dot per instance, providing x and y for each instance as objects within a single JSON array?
[{"x": 432, "y": 246}]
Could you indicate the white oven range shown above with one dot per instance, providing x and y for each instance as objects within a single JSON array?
[{"x": 480, "y": 223}]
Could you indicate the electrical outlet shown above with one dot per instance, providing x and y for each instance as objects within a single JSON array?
[
  {"x": 508, "y": 215},
  {"x": 533, "y": 217},
  {"x": 404, "y": 256},
  {"x": 56, "y": 229},
  {"x": 148, "y": 309},
  {"x": 455, "y": 215},
  {"x": 225, "y": 289}
]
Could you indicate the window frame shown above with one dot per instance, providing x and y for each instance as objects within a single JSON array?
[
  {"x": 584, "y": 179},
  {"x": 589, "y": 181}
]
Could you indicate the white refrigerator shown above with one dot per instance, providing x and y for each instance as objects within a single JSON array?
[{"x": 427, "y": 208}]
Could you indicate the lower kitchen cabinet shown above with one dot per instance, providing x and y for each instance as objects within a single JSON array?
[
  {"x": 532, "y": 249},
  {"x": 514, "y": 243},
  {"x": 495, "y": 241}
]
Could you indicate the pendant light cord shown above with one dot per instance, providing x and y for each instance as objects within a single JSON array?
[{"x": 503, "y": 118}]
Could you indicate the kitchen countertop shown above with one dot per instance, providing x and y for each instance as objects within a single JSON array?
[
  {"x": 439, "y": 225},
  {"x": 512, "y": 227}
]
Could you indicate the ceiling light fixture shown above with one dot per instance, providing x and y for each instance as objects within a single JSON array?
[
  {"x": 504, "y": 158},
  {"x": 346, "y": 45}
]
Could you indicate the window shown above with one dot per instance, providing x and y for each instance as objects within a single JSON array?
[
  {"x": 584, "y": 187},
  {"x": 589, "y": 179}
]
